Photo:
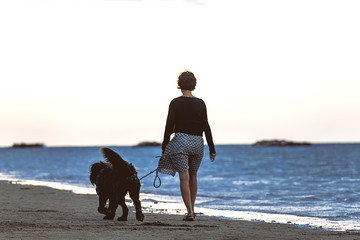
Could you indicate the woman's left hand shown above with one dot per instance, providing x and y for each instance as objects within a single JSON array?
[{"x": 212, "y": 156}]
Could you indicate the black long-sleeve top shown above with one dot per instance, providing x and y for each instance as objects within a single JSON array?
[{"x": 188, "y": 115}]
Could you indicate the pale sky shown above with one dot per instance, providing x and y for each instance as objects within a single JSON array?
[{"x": 90, "y": 72}]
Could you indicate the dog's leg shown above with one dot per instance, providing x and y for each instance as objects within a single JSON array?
[
  {"x": 125, "y": 210},
  {"x": 134, "y": 194},
  {"x": 112, "y": 206},
  {"x": 102, "y": 202}
]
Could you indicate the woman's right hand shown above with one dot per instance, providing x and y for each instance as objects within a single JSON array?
[{"x": 212, "y": 156}]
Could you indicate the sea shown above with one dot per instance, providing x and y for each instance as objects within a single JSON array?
[{"x": 315, "y": 186}]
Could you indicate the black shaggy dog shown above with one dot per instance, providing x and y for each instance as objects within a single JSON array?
[{"x": 114, "y": 179}]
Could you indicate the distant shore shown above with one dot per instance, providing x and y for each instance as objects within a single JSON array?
[
  {"x": 33, "y": 212},
  {"x": 148, "y": 144},
  {"x": 280, "y": 143},
  {"x": 28, "y": 145}
]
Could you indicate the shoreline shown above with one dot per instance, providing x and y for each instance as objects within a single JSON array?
[
  {"x": 34, "y": 212},
  {"x": 163, "y": 204}
]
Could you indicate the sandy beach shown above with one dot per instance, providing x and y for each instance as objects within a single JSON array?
[{"x": 35, "y": 212}]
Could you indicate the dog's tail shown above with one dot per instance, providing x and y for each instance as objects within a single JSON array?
[
  {"x": 117, "y": 162},
  {"x": 95, "y": 169}
]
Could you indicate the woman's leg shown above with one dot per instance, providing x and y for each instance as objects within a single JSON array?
[
  {"x": 185, "y": 191},
  {"x": 193, "y": 189}
]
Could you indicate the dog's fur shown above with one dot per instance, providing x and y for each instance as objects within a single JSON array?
[{"x": 114, "y": 179}]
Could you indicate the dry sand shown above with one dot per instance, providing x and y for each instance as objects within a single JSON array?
[{"x": 33, "y": 212}]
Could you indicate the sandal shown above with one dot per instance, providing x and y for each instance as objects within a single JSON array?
[{"x": 189, "y": 218}]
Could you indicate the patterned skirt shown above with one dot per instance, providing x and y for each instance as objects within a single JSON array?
[{"x": 183, "y": 153}]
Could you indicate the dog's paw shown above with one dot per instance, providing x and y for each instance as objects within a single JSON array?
[
  {"x": 109, "y": 217},
  {"x": 122, "y": 219},
  {"x": 103, "y": 210},
  {"x": 140, "y": 217}
]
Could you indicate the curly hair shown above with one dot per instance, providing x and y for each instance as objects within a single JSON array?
[{"x": 186, "y": 81}]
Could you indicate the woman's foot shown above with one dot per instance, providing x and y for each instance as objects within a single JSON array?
[{"x": 189, "y": 217}]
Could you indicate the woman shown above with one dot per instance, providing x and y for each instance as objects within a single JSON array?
[{"x": 187, "y": 118}]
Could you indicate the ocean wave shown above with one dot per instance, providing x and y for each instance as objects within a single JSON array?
[
  {"x": 310, "y": 198},
  {"x": 250, "y": 183}
]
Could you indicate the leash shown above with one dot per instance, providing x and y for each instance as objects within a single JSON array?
[{"x": 156, "y": 177}]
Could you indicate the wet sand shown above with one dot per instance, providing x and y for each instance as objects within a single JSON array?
[{"x": 33, "y": 212}]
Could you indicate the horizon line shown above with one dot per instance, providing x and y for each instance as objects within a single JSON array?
[{"x": 134, "y": 145}]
